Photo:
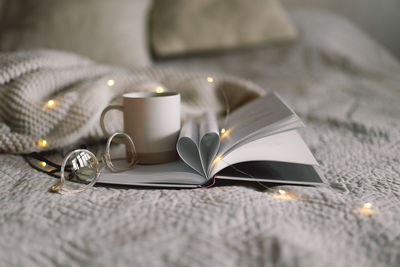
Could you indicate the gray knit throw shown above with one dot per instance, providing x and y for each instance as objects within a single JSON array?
[{"x": 80, "y": 90}]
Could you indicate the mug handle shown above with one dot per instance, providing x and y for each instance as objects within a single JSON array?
[{"x": 103, "y": 114}]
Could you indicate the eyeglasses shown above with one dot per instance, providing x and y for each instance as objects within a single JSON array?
[{"x": 80, "y": 169}]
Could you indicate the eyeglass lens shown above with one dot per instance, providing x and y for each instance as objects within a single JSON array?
[
  {"x": 122, "y": 153},
  {"x": 81, "y": 169}
]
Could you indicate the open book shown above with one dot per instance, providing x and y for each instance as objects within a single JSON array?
[{"x": 257, "y": 142}]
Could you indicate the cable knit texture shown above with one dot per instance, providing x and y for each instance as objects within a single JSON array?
[{"x": 348, "y": 93}]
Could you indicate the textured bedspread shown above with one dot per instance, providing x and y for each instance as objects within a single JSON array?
[{"x": 347, "y": 90}]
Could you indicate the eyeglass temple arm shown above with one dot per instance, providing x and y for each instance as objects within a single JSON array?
[
  {"x": 37, "y": 156},
  {"x": 57, "y": 168}
]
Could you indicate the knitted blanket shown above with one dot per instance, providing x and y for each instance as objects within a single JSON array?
[{"x": 51, "y": 99}]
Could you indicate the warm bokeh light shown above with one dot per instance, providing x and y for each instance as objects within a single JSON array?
[
  {"x": 43, "y": 142},
  {"x": 43, "y": 163},
  {"x": 210, "y": 79},
  {"x": 159, "y": 90},
  {"x": 284, "y": 195},
  {"x": 367, "y": 205},
  {"x": 366, "y": 209},
  {"x": 51, "y": 103},
  {"x": 225, "y": 133},
  {"x": 217, "y": 159},
  {"x": 110, "y": 82}
]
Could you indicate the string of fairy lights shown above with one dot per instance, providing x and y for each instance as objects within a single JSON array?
[{"x": 281, "y": 194}]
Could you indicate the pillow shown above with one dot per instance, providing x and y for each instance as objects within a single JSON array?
[
  {"x": 112, "y": 32},
  {"x": 182, "y": 27}
]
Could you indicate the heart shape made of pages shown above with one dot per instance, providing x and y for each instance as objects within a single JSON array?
[{"x": 198, "y": 151}]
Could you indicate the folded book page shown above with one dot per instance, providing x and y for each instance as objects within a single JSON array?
[
  {"x": 198, "y": 142},
  {"x": 209, "y": 141},
  {"x": 188, "y": 145}
]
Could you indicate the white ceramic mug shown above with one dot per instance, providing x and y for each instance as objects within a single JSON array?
[{"x": 153, "y": 122}]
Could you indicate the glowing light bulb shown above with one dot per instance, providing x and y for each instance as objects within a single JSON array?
[
  {"x": 367, "y": 205},
  {"x": 43, "y": 142},
  {"x": 110, "y": 82},
  {"x": 43, "y": 163},
  {"x": 366, "y": 209},
  {"x": 225, "y": 133},
  {"x": 51, "y": 103},
  {"x": 210, "y": 79},
  {"x": 159, "y": 90},
  {"x": 285, "y": 195},
  {"x": 217, "y": 159}
]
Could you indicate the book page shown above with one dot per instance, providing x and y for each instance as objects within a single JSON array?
[
  {"x": 261, "y": 117},
  {"x": 199, "y": 141},
  {"x": 187, "y": 145},
  {"x": 176, "y": 172},
  {"x": 285, "y": 147},
  {"x": 209, "y": 139}
]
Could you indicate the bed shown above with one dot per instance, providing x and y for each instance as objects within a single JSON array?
[{"x": 344, "y": 86}]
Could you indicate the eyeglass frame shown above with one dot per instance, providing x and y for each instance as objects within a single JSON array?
[{"x": 59, "y": 187}]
